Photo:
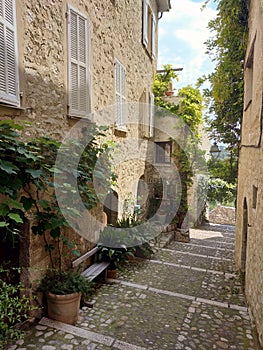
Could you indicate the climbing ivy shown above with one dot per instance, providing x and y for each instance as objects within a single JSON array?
[
  {"x": 189, "y": 110},
  {"x": 27, "y": 184}
]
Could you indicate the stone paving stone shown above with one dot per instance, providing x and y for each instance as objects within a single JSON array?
[
  {"x": 142, "y": 318},
  {"x": 227, "y": 243},
  {"x": 176, "y": 257},
  {"x": 58, "y": 340},
  {"x": 163, "y": 305},
  {"x": 210, "y": 327},
  {"x": 196, "y": 283},
  {"x": 195, "y": 249}
]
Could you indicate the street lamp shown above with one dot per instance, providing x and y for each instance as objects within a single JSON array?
[{"x": 215, "y": 151}]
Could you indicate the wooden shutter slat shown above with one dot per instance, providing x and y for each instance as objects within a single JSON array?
[
  {"x": 82, "y": 35},
  {"x": 2, "y": 60},
  {"x": 9, "y": 85},
  {"x": 79, "y": 64},
  {"x": 83, "y": 93},
  {"x": 145, "y": 23},
  {"x": 74, "y": 86},
  {"x": 153, "y": 36},
  {"x": 11, "y": 62},
  {"x": 9, "y": 11},
  {"x": 73, "y": 35}
]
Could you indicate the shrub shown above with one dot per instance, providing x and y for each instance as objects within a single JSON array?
[{"x": 15, "y": 307}]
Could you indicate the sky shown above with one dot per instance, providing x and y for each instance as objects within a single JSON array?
[{"x": 182, "y": 33}]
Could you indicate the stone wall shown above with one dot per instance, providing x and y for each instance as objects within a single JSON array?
[
  {"x": 249, "y": 226},
  {"x": 116, "y": 32},
  {"x": 223, "y": 215}
]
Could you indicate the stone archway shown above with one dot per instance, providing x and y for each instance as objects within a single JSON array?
[{"x": 244, "y": 237}]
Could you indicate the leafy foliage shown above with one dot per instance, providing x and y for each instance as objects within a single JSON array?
[
  {"x": 65, "y": 282},
  {"x": 227, "y": 48},
  {"x": 15, "y": 307},
  {"x": 189, "y": 109},
  {"x": 26, "y": 181},
  {"x": 216, "y": 191},
  {"x": 112, "y": 247},
  {"x": 222, "y": 169},
  {"x": 162, "y": 80},
  {"x": 220, "y": 191}
]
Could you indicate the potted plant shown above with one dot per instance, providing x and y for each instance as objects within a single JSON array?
[
  {"x": 113, "y": 247},
  {"x": 63, "y": 290}
]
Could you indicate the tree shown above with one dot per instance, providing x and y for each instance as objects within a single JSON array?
[{"x": 227, "y": 48}]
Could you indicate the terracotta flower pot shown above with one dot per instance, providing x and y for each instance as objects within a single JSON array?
[
  {"x": 64, "y": 308},
  {"x": 112, "y": 274}
]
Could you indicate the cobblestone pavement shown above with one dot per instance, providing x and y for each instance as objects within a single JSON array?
[{"x": 186, "y": 297}]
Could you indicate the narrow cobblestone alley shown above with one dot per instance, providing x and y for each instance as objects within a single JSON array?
[{"x": 186, "y": 297}]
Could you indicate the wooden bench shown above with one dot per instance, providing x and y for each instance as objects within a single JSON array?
[{"x": 95, "y": 269}]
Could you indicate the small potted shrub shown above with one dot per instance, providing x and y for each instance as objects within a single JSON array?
[{"x": 63, "y": 290}]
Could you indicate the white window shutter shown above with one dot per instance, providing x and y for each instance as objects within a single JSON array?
[
  {"x": 153, "y": 36},
  {"x": 145, "y": 23},
  {"x": 120, "y": 95},
  {"x": 151, "y": 117},
  {"x": 9, "y": 82},
  {"x": 79, "y": 64}
]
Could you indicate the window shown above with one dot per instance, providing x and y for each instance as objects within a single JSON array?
[
  {"x": 149, "y": 28},
  {"x": 79, "y": 64},
  {"x": 146, "y": 114},
  {"x": 120, "y": 95},
  {"x": 163, "y": 152},
  {"x": 9, "y": 83}
]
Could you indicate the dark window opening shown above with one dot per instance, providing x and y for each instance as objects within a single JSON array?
[{"x": 163, "y": 152}]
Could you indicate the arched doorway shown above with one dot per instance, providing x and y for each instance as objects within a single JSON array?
[
  {"x": 244, "y": 237},
  {"x": 111, "y": 207}
]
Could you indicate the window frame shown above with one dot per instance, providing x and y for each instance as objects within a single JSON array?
[
  {"x": 79, "y": 111},
  {"x": 7, "y": 97},
  {"x": 120, "y": 95},
  {"x": 161, "y": 158},
  {"x": 149, "y": 29}
]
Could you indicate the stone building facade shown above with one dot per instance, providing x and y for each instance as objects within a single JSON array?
[
  {"x": 66, "y": 61},
  {"x": 249, "y": 224}
]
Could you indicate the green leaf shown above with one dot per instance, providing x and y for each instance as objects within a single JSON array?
[
  {"x": 3, "y": 224},
  {"x": 44, "y": 204},
  {"x": 8, "y": 167},
  {"x": 27, "y": 202},
  {"x": 14, "y": 204},
  {"x": 55, "y": 232},
  {"x": 35, "y": 173},
  {"x": 15, "y": 217},
  {"x": 4, "y": 209},
  {"x": 76, "y": 253}
]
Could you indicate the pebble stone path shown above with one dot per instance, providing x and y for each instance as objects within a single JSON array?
[{"x": 186, "y": 297}]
